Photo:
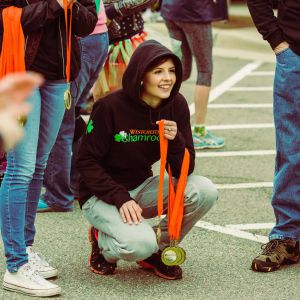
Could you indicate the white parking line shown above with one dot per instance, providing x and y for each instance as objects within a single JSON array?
[
  {"x": 232, "y": 231},
  {"x": 262, "y": 73},
  {"x": 243, "y": 106},
  {"x": 251, "y": 89},
  {"x": 236, "y": 153},
  {"x": 230, "y": 82},
  {"x": 251, "y": 226},
  {"x": 247, "y": 185},
  {"x": 240, "y": 126}
]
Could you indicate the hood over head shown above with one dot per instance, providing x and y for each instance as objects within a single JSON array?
[{"x": 143, "y": 57}]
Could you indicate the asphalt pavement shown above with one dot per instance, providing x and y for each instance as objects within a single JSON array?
[{"x": 221, "y": 246}]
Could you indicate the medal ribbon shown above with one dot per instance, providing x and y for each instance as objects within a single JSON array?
[
  {"x": 175, "y": 198},
  {"x": 13, "y": 45},
  {"x": 68, "y": 37},
  {"x": 67, "y": 94}
]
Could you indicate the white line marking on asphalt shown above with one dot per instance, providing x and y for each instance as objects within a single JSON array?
[
  {"x": 251, "y": 89},
  {"x": 236, "y": 105},
  {"x": 229, "y": 82},
  {"x": 240, "y": 126},
  {"x": 251, "y": 226},
  {"x": 235, "y": 153},
  {"x": 232, "y": 231},
  {"x": 247, "y": 185},
  {"x": 262, "y": 73}
]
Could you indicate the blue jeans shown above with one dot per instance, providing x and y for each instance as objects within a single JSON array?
[
  {"x": 286, "y": 195},
  {"x": 21, "y": 187},
  {"x": 58, "y": 194}
]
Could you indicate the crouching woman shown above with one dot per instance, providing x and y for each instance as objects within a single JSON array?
[{"x": 118, "y": 191}]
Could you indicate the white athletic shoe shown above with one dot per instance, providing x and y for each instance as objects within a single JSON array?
[
  {"x": 38, "y": 262},
  {"x": 28, "y": 281}
]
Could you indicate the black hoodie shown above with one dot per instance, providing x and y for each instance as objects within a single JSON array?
[{"x": 122, "y": 144}]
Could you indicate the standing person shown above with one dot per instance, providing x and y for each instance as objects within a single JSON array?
[
  {"x": 283, "y": 35},
  {"x": 125, "y": 31},
  {"x": 59, "y": 196},
  {"x": 43, "y": 24},
  {"x": 117, "y": 188},
  {"x": 189, "y": 26}
]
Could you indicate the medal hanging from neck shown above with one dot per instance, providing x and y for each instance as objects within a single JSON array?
[
  {"x": 68, "y": 22},
  {"x": 172, "y": 255}
]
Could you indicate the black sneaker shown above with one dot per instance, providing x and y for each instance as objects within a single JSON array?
[
  {"x": 155, "y": 263},
  {"x": 275, "y": 254},
  {"x": 97, "y": 262}
]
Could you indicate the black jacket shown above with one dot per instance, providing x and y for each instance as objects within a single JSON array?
[
  {"x": 126, "y": 18},
  {"x": 40, "y": 16},
  {"x": 122, "y": 141},
  {"x": 194, "y": 11},
  {"x": 285, "y": 27}
]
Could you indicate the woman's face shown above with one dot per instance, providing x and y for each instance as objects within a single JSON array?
[{"x": 158, "y": 83}]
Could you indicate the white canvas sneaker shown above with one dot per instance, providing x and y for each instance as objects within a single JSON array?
[
  {"x": 28, "y": 281},
  {"x": 38, "y": 262}
]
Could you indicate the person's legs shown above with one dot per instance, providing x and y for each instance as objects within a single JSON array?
[
  {"x": 286, "y": 194},
  {"x": 283, "y": 247},
  {"x": 200, "y": 43},
  {"x": 59, "y": 196},
  {"x": 200, "y": 196},
  {"x": 118, "y": 240},
  {"x": 52, "y": 112},
  {"x": 180, "y": 48},
  {"x": 98, "y": 54},
  {"x": 13, "y": 193}
]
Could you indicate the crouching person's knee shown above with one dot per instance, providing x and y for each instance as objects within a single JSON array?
[
  {"x": 200, "y": 193},
  {"x": 140, "y": 247}
]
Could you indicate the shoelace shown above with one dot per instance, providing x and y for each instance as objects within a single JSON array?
[
  {"x": 38, "y": 259},
  {"x": 32, "y": 274},
  {"x": 272, "y": 247}
]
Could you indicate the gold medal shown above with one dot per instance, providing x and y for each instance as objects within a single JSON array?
[
  {"x": 68, "y": 98},
  {"x": 22, "y": 120},
  {"x": 173, "y": 256}
]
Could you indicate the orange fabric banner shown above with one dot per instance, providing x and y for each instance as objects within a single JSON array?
[
  {"x": 175, "y": 198},
  {"x": 13, "y": 45}
]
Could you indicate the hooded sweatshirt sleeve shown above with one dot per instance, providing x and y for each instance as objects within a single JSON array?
[
  {"x": 263, "y": 16},
  {"x": 183, "y": 138},
  {"x": 93, "y": 152}
]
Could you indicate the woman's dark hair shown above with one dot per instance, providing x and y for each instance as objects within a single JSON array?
[{"x": 156, "y": 62}]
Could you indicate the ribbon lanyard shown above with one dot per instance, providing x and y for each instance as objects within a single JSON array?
[
  {"x": 68, "y": 22},
  {"x": 175, "y": 198}
]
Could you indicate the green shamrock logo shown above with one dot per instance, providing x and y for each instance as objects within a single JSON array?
[
  {"x": 118, "y": 137},
  {"x": 90, "y": 127}
]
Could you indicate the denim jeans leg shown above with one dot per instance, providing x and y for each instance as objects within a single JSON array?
[
  {"x": 13, "y": 192},
  {"x": 59, "y": 195},
  {"x": 286, "y": 194},
  {"x": 52, "y": 112}
]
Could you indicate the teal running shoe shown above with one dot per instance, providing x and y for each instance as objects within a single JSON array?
[{"x": 207, "y": 141}]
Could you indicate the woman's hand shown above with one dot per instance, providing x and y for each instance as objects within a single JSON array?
[
  {"x": 131, "y": 212},
  {"x": 170, "y": 129}
]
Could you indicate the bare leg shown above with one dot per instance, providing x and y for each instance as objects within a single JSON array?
[{"x": 201, "y": 103}]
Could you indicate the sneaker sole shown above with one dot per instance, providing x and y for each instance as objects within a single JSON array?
[
  {"x": 147, "y": 266},
  {"x": 257, "y": 268},
  {"x": 90, "y": 256},
  {"x": 208, "y": 147},
  {"x": 49, "y": 274},
  {"x": 34, "y": 293}
]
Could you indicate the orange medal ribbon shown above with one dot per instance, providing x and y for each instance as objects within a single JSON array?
[
  {"x": 175, "y": 198},
  {"x": 68, "y": 22},
  {"x": 13, "y": 45}
]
